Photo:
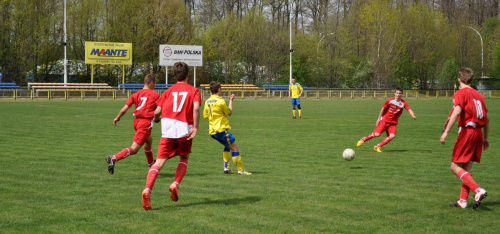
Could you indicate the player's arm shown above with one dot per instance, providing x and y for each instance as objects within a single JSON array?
[
  {"x": 157, "y": 116},
  {"x": 412, "y": 114},
  {"x": 380, "y": 116},
  {"x": 230, "y": 106},
  {"x": 206, "y": 111},
  {"x": 289, "y": 91},
  {"x": 486, "y": 129},
  {"x": 196, "y": 120},
  {"x": 453, "y": 119},
  {"x": 121, "y": 113},
  {"x": 301, "y": 91}
]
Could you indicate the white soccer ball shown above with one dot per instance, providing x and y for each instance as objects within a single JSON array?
[{"x": 348, "y": 154}]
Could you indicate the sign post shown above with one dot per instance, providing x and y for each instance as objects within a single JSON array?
[{"x": 171, "y": 54}]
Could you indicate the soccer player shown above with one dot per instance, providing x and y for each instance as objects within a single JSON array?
[
  {"x": 179, "y": 110},
  {"x": 388, "y": 120},
  {"x": 295, "y": 91},
  {"x": 216, "y": 111},
  {"x": 473, "y": 122},
  {"x": 145, "y": 106}
]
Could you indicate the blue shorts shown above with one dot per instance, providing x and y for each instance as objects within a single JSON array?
[
  {"x": 225, "y": 138},
  {"x": 295, "y": 101}
]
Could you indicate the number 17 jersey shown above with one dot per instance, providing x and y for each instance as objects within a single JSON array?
[{"x": 177, "y": 110}]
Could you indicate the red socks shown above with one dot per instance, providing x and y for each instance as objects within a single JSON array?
[
  {"x": 149, "y": 154},
  {"x": 385, "y": 141},
  {"x": 122, "y": 154},
  {"x": 367, "y": 138},
  {"x": 152, "y": 174},
  {"x": 181, "y": 170},
  {"x": 467, "y": 179}
]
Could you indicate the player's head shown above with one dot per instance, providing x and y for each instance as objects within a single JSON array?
[
  {"x": 466, "y": 75},
  {"x": 294, "y": 81},
  {"x": 214, "y": 87},
  {"x": 398, "y": 93},
  {"x": 181, "y": 71},
  {"x": 150, "y": 78}
]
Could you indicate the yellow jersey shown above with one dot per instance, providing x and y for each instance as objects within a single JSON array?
[
  {"x": 216, "y": 111},
  {"x": 295, "y": 90}
]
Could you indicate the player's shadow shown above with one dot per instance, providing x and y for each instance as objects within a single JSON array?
[
  {"x": 485, "y": 205},
  {"x": 208, "y": 201},
  {"x": 172, "y": 175},
  {"x": 356, "y": 168}
]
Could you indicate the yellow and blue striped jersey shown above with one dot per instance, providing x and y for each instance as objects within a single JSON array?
[
  {"x": 295, "y": 90},
  {"x": 216, "y": 111}
]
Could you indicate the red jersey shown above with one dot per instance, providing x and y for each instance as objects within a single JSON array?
[
  {"x": 474, "y": 112},
  {"x": 177, "y": 110},
  {"x": 145, "y": 103},
  {"x": 393, "y": 110}
]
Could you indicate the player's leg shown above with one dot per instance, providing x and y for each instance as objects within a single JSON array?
[
  {"x": 148, "y": 151},
  {"x": 226, "y": 156},
  {"x": 376, "y": 133},
  {"x": 235, "y": 154},
  {"x": 153, "y": 173},
  {"x": 298, "y": 108},
  {"x": 294, "y": 104},
  {"x": 183, "y": 150}
]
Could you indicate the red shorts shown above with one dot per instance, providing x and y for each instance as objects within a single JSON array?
[
  {"x": 469, "y": 146},
  {"x": 143, "y": 129},
  {"x": 385, "y": 127},
  {"x": 169, "y": 148}
]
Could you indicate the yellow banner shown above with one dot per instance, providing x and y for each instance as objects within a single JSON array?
[{"x": 108, "y": 53}]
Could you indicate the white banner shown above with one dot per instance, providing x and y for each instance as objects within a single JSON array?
[{"x": 191, "y": 55}]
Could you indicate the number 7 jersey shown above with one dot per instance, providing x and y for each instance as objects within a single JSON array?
[{"x": 177, "y": 110}]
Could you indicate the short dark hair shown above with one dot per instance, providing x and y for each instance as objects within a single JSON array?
[
  {"x": 149, "y": 78},
  {"x": 214, "y": 87},
  {"x": 181, "y": 71},
  {"x": 398, "y": 89},
  {"x": 466, "y": 75}
]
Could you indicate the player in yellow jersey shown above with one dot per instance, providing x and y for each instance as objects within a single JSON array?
[
  {"x": 295, "y": 93},
  {"x": 216, "y": 111}
]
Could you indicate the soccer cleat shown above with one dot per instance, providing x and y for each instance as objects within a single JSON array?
[
  {"x": 146, "y": 199},
  {"x": 360, "y": 143},
  {"x": 244, "y": 173},
  {"x": 300, "y": 117},
  {"x": 479, "y": 197},
  {"x": 294, "y": 117},
  {"x": 151, "y": 164},
  {"x": 111, "y": 164},
  {"x": 459, "y": 203},
  {"x": 376, "y": 148},
  {"x": 174, "y": 192},
  {"x": 228, "y": 171}
]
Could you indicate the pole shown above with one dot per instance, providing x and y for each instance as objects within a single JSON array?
[
  {"x": 195, "y": 76},
  {"x": 166, "y": 74},
  {"x": 123, "y": 75},
  {"x": 482, "y": 54},
  {"x": 291, "y": 50},
  {"x": 65, "y": 44}
]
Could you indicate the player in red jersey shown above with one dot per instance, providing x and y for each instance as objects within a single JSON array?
[
  {"x": 145, "y": 106},
  {"x": 388, "y": 119},
  {"x": 179, "y": 108},
  {"x": 472, "y": 115}
]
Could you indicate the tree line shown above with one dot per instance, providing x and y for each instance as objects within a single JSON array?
[{"x": 417, "y": 44}]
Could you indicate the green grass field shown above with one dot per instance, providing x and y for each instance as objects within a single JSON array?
[{"x": 54, "y": 179}]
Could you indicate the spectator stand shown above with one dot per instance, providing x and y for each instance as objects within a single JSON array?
[
  {"x": 281, "y": 88},
  {"x": 140, "y": 86},
  {"x": 69, "y": 89},
  {"x": 7, "y": 87},
  {"x": 237, "y": 89}
]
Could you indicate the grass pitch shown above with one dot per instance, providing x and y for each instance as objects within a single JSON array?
[{"x": 54, "y": 177}]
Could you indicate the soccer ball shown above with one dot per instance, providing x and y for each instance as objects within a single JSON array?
[{"x": 348, "y": 154}]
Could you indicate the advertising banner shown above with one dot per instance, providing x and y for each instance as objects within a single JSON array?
[
  {"x": 191, "y": 55},
  {"x": 108, "y": 53}
]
